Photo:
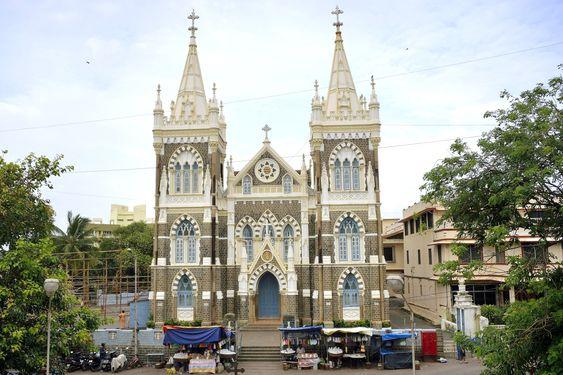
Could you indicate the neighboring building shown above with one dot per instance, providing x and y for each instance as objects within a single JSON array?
[
  {"x": 393, "y": 243},
  {"x": 100, "y": 231},
  {"x": 276, "y": 240},
  {"x": 427, "y": 244},
  {"x": 121, "y": 215}
]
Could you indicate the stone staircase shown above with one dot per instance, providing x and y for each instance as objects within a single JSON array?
[
  {"x": 260, "y": 354},
  {"x": 260, "y": 343}
]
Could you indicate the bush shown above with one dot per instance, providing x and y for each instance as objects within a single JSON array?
[
  {"x": 174, "y": 322},
  {"x": 357, "y": 323},
  {"x": 495, "y": 314},
  {"x": 386, "y": 323}
]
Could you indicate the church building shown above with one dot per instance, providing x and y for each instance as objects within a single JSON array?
[{"x": 268, "y": 242}]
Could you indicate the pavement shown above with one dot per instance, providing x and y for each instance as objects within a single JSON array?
[
  {"x": 472, "y": 367},
  {"x": 401, "y": 318}
]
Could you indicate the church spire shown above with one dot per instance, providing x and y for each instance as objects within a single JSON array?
[
  {"x": 191, "y": 103},
  {"x": 342, "y": 99}
]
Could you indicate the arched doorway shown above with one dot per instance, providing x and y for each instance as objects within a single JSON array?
[{"x": 268, "y": 297}]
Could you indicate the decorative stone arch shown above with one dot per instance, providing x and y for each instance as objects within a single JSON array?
[
  {"x": 355, "y": 149},
  {"x": 179, "y": 220},
  {"x": 271, "y": 218},
  {"x": 288, "y": 219},
  {"x": 357, "y": 275},
  {"x": 247, "y": 220},
  {"x": 258, "y": 272},
  {"x": 185, "y": 148},
  {"x": 354, "y": 217},
  {"x": 176, "y": 281}
]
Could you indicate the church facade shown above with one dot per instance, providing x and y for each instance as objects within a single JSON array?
[{"x": 268, "y": 241}]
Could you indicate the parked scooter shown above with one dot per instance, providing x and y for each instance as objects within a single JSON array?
[
  {"x": 95, "y": 362},
  {"x": 106, "y": 361},
  {"x": 119, "y": 362},
  {"x": 73, "y": 362}
]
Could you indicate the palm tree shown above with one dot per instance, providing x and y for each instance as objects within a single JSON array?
[{"x": 77, "y": 245}]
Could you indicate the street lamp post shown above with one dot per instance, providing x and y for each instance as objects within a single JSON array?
[
  {"x": 396, "y": 284},
  {"x": 51, "y": 286}
]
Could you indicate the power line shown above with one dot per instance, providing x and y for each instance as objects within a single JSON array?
[{"x": 298, "y": 91}]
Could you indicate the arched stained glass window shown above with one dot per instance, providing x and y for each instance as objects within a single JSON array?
[
  {"x": 177, "y": 180},
  {"x": 287, "y": 240},
  {"x": 195, "y": 175},
  {"x": 356, "y": 175},
  {"x": 248, "y": 245},
  {"x": 346, "y": 174},
  {"x": 186, "y": 172},
  {"x": 337, "y": 175},
  {"x": 287, "y": 184},
  {"x": 348, "y": 240},
  {"x": 185, "y": 293},
  {"x": 185, "y": 240},
  {"x": 350, "y": 295},
  {"x": 246, "y": 184}
]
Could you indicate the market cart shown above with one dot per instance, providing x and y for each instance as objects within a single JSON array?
[
  {"x": 301, "y": 346},
  {"x": 347, "y": 346},
  {"x": 395, "y": 352}
]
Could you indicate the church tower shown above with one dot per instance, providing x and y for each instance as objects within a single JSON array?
[
  {"x": 344, "y": 140},
  {"x": 189, "y": 147}
]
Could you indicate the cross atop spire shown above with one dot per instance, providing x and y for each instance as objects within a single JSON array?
[
  {"x": 266, "y": 129},
  {"x": 337, "y": 12},
  {"x": 193, "y": 17}
]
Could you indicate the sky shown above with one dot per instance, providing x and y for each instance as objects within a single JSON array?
[{"x": 438, "y": 66}]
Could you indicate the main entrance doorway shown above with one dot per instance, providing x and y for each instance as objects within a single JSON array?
[{"x": 268, "y": 297}]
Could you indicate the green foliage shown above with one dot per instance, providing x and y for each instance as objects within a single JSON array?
[
  {"x": 495, "y": 314},
  {"x": 174, "y": 322},
  {"x": 357, "y": 323},
  {"x": 386, "y": 324},
  {"x": 24, "y": 213},
  {"x": 23, "y": 309},
  {"x": 464, "y": 341},
  {"x": 76, "y": 243}
]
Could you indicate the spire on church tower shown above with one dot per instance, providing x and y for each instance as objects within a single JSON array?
[
  {"x": 191, "y": 103},
  {"x": 342, "y": 100},
  {"x": 158, "y": 112}
]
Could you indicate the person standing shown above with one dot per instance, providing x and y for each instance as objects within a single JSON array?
[{"x": 122, "y": 319}]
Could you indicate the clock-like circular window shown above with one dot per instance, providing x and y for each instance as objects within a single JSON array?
[
  {"x": 267, "y": 170},
  {"x": 267, "y": 256}
]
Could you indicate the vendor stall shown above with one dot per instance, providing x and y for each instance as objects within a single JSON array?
[
  {"x": 347, "y": 345},
  {"x": 200, "y": 348},
  {"x": 395, "y": 352},
  {"x": 301, "y": 346}
]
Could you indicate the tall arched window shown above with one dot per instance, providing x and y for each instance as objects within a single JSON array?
[
  {"x": 350, "y": 295},
  {"x": 248, "y": 245},
  {"x": 287, "y": 240},
  {"x": 195, "y": 172},
  {"x": 356, "y": 175},
  {"x": 246, "y": 184},
  {"x": 287, "y": 184},
  {"x": 337, "y": 175},
  {"x": 185, "y": 240},
  {"x": 186, "y": 172},
  {"x": 177, "y": 181},
  {"x": 346, "y": 174},
  {"x": 185, "y": 293},
  {"x": 348, "y": 240}
]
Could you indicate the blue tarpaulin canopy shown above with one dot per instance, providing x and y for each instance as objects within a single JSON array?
[
  {"x": 395, "y": 336},
  {"x": 192, "y": 335},
  {"x": 309, "y": 329}
]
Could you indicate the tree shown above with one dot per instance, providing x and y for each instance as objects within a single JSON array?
[
  {"x": 23, "y": 309},
  {"x": 24, "y": 213},
  {"x": 514, "y": 180},
  {"x": 135, "y": 239},
  {"x": 77, "y": 246}
]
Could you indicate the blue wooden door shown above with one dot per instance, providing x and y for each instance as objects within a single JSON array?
[{"x": 268, "y": 297}]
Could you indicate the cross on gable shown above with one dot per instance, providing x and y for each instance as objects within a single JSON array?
[
  {"x": 337, "y": 12},
  {"x": 193, "y": 17}
]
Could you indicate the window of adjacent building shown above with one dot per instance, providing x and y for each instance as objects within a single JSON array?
[
  {"x": 348, "y": 240},
  {"x": 500, "y": 256},
  {"x": 248, "y": 242},
  {"x": 246, "y": 184},
  {"x": 419, "y": 257},
  {"x": 287, "y": 184},
  {"x": 408, "y": 257},
  {"x": 351, "y": 293},
  {"x": 185, "y": 241},
  {"x": 483, "y": 294},
  {"x": 439, "y": 251},
  {"x": 473, "y": 252},
  {"x": 429, "y": 256},
  {"x": 417, "y": 224},
  {"x": 406, "y": 224},
  {"x": 535, "y": 252},
  {"x": 389, "y": 254},
  {"x": 430, "y": 220},
  {"x": 287, "y": 240},
  {"x": 411, "y": 226},
  {"x": 535, "y": 215},
  {"x": 185, "y": 293}
]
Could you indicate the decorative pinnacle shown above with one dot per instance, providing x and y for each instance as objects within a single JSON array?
[
  {"x": 193, "y": 17},
  {"x": 266, "y": 129},
  {"x": 337, "y": 12},
  {"x": 158, "y": 89},
  {"x": 221, "y": 106},
  {"x": 214, "y": 89},
  {"x": 316, "y": 88},
  {"x": 372, "y": 83}
]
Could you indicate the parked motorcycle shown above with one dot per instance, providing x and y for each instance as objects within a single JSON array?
[
  {"x": 119, "y": 362},
  {"x": 95, "y": 362},
  {"x": 106, "y": 361},
  {"x": 73, "y": 362},
  {"x": 135, "y": 362}
]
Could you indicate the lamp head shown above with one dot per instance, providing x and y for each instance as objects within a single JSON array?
[
  {"x": 395, "y": 283},
  {"x": 51, "y": 286}
]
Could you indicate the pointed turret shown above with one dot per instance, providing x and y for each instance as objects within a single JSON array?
[
  {"x": 158, "y": 112},
  {"x": 342, "y": 99},
  {"x": 191, "y": 103}
]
